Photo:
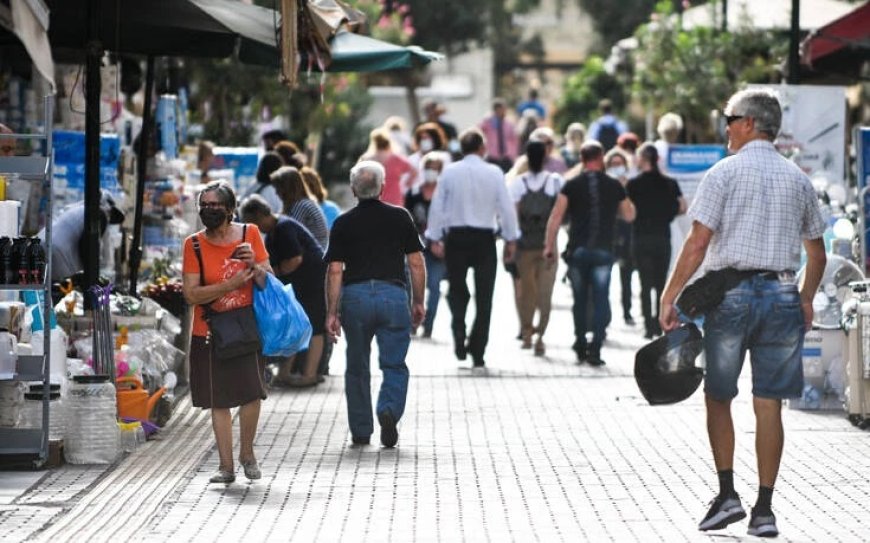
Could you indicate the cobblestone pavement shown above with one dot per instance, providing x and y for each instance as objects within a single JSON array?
[{"x": 538, "y": 450}]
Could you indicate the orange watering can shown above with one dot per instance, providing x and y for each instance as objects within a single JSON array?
[{"x": 133, "y": 399}]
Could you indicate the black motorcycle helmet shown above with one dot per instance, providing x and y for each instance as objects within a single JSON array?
[{"x": 665, "y": 368}]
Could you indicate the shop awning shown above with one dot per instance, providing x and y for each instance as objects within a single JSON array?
[
  {"x": 355, "y": 53},
  {"x": 842, "y": 44},
  {"x": 28, "y": 21}
]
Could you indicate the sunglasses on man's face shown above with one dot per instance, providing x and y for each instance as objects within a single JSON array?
[{"x": 731, "y": 118}]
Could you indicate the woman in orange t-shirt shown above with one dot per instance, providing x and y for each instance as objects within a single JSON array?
[{"x": 234, "y": 257}]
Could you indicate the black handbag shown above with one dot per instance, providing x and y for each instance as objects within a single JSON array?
[
  {"x": 707, "y": 292},
  {"x": 232, "y": 333}
]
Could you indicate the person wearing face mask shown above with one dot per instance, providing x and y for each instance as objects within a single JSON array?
[
  {"x": 658, "y": 200},
  {"x": 616, "y": 163},
  {"x": 231, "y": 259},
  {"x": 417, "y": 202},
  {"x": 428, "y": 138}
]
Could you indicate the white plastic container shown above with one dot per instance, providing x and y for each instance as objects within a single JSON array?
[
  {"x": 92, "y": 434},
  {"x": 59, "y": 343}
]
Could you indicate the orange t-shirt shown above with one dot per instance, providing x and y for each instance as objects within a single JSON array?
[{"x": 220, "y": 267}]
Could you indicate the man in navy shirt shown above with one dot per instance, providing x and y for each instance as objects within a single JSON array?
[{"x": 297, "y": 259}]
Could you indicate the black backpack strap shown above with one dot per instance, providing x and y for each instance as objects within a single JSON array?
[{"x": 244, "y": 232}]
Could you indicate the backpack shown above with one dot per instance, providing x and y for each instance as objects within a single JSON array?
[
  {"x": 608, "y": 134},
  {"x": 533, "y": 213}
]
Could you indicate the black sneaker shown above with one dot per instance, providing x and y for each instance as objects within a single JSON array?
[
  {"x": 389, "y": 433},
  {"x": 723, "y": 511},
  {"x": 360, "y": 440},
  {"x": 595, "y": 360},
  {"x": 762, "y": 525},
  {"x": 581, "y": 350},
  {"x": 460, "y": 349}
]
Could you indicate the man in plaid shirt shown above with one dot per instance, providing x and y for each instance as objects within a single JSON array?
[{"x": 752, "y": 212}]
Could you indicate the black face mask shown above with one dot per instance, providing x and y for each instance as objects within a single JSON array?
[{"x": 212, "y": 218}]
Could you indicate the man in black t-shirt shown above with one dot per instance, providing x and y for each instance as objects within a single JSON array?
[
  {"x": 367, "y": 249},
  {"x": 658, "y": 199},
  {"x": 297, "y": 259},
  {"x": 592, "y": 201}
]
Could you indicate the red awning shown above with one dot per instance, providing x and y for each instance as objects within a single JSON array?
[{"x": 851, "y": 31}]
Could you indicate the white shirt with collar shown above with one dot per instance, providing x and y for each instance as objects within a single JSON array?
[{"x": 472, "y": 193}]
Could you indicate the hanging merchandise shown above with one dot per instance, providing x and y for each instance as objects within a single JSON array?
[{"x": 167, "y": 125}]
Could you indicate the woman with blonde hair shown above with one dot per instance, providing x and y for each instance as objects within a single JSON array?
[
  {"x": 315, "y": 186},
  {"x": 299, "y": 204},
  {"x": 395, "y": 166}
]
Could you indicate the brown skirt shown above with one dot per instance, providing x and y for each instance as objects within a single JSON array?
[{"x": 224, "y": 383}]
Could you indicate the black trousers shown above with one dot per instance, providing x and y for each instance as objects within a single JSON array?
[
  {"x": 472, "y": 248},
  {"x": 652, "y": 256}
]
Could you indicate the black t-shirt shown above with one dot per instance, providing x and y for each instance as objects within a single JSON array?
[
  {"x": 593, "y": 201},
  {"x": 372, "y": 240},
  {"x": 656, "y": 198},
  {"x": 418, "y": 207},
  {"x": 290, "y": 239}
]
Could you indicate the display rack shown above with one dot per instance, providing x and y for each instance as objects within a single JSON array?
[{"x": 34, "y": 441}]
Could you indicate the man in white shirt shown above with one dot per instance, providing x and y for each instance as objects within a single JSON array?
[{"x": 470, "y": 203}]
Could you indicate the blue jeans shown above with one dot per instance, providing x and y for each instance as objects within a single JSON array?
[
  {"x": 764, "y": 317},
  {"x": 375, "y": 309},
  {"x": 436, "y": 271},
  {"x": 589, "y": 270}
]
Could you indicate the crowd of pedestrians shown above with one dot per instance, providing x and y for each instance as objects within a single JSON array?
[{"x": 432, "y": 203}]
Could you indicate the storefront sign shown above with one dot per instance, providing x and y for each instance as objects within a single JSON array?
[
  {"x": 688, "y": 164},
  {"x": 813, "y": 132}
]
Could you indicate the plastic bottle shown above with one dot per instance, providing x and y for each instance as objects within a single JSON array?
[
  {"x": 19, "y": 261},
  {"x": 6, "y": 269},
  {"x": 36, "y": 261}
]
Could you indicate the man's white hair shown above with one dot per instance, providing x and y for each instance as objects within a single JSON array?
[
  {"x": 762, "y": 105},
  {"x": 367, "y": 179},
  {"x": 670, "y": 122}
]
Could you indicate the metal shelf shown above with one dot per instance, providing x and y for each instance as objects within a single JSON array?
[
  {"x": 21, "y": 440},
  {"x": 25, "y": 166},
  {"x": 34, "y": 441},
  {"x": 30, "y": 368},
  {"x": 34, "y": 286}
]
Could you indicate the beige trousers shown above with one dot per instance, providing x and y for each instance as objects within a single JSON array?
[{"x": 537, "y": 277}]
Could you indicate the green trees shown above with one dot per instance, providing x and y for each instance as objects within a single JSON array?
[
  {"x": 582, "y": 92},
  {"x": 690, "y": 72}
]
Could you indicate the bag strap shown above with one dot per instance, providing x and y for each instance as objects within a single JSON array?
[{"x": 198, "y": 252}]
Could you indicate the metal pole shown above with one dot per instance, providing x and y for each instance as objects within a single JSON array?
[
  {"x": 724, "y": 15},
  {"x": 94, "y": 53},
  {"x": 141, "y": 167},
  {"x": 794, "y": 44}
]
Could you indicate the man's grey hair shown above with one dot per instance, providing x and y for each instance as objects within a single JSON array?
[
  {"x": 367, "y": 179},
  {"x": 254, "y": 208},
  {"x": 760, "y": 104}
]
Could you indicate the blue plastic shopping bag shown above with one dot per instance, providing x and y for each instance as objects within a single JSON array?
[{"x": 284, "y": 326}]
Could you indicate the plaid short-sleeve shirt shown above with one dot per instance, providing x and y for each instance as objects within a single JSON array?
[{"x": 760, "y": 206}]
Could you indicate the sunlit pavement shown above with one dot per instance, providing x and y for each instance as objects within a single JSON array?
[{"x": 539, "y": 449}]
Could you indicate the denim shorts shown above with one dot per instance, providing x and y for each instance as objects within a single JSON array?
[{"x": 764, "y": 317}]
